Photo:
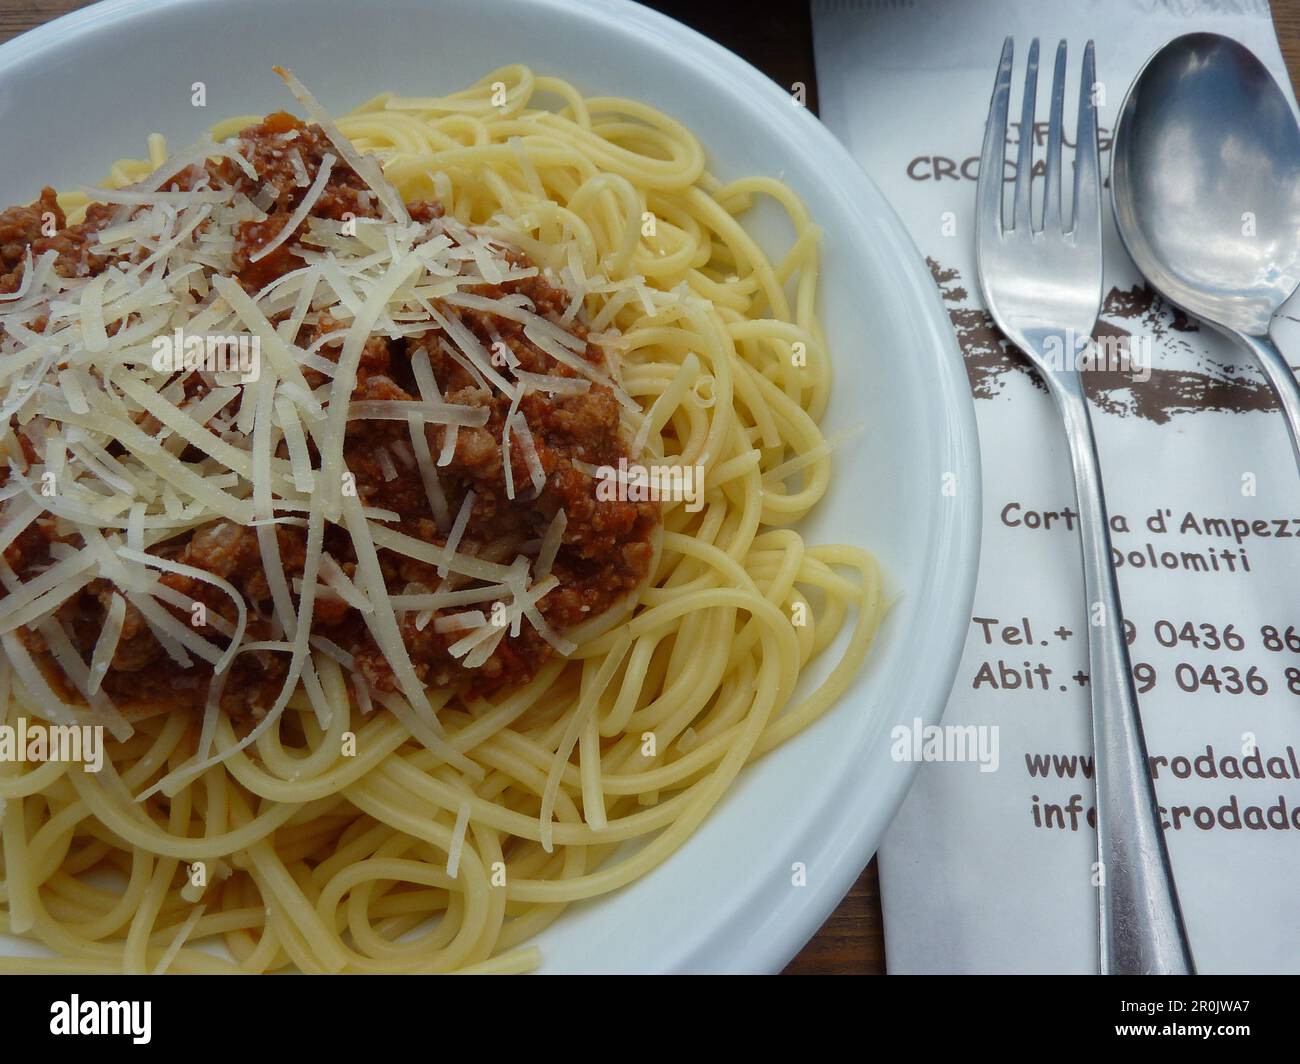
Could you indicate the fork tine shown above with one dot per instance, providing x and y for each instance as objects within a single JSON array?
[
  {"x": 988, "y": 193},
  {"x": 1052, "y": 175},
  {"x": 1087, "y": 166},
  {"x": 1025, "y": 157}
]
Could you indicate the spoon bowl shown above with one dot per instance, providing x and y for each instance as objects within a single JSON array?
[{"x": 1205, "y": 179}]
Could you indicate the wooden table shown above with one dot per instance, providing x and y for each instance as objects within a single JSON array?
[{"x": 852, "y": 941}]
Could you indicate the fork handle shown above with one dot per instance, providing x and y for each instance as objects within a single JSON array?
[
  {"x": 1285, "y": 387},
  {"x": 1141, "y": 923}
]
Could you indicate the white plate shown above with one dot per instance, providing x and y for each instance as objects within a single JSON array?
[{"x": 87, "y": 88}]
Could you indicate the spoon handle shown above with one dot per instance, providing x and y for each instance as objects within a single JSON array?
[
  {"x": 1141, "y": 923},
  {"x": 1283, "y": 381}
]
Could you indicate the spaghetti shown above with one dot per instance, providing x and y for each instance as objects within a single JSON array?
[{"x": 401, "y": 815}]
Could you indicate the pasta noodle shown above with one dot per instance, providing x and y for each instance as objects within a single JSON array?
[{"x": 347, "y": 842}]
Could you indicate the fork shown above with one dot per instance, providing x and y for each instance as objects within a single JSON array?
[{"x": 1043, "y": 288}]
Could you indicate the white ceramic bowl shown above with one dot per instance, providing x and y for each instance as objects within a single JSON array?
[{"x": 87, "y": 88}]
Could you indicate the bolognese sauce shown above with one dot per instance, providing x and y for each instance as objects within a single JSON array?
[{"x": 606, "y": 547}]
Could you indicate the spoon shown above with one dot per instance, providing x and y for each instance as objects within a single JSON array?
[{"x": 1205, "y": 179}]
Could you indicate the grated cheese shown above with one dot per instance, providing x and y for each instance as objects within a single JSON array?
[
  {"x": 78, "y": 371},
  {"x": 300, "y": 212}
]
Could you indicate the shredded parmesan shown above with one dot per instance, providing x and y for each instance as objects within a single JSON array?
[
  {"x": 112, "y": 376},
  {"x": 457, "y": 839},
  {"x": 300, "y": 212},
  {"x": 366, "y": 168},
  {"x": 106, "y": 644},
  {"x": 550, "y": 544}
]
